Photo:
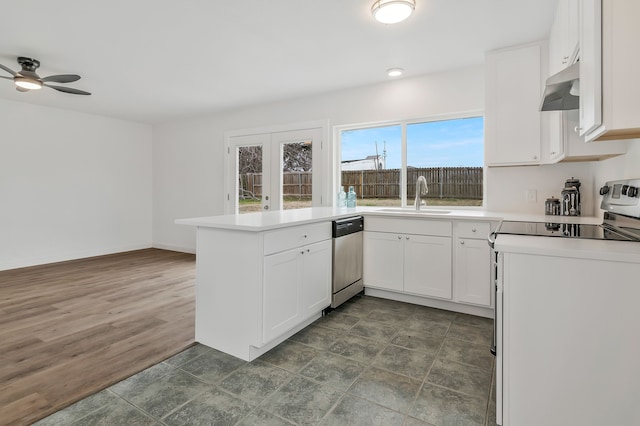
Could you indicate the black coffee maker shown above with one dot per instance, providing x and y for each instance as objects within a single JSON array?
[{"x": 570, "y": 198}]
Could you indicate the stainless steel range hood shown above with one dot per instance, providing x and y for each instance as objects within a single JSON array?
[{"x": 562, "y": 90}]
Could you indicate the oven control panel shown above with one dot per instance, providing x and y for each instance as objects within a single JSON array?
[{"x": 621, "y": 196}]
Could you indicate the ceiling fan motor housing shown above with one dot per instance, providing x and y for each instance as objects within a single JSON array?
[{"x": 28, "y": 64}]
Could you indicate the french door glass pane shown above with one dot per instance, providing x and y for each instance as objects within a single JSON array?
[
  {"x": 249, "y": 178},
  {"x": 449, "y": 154},
  {"x": 371, "y": 162},
  {"x": 297, "y": 174}
]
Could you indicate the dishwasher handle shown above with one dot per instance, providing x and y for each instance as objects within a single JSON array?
[{"x": 346, "y": 226}]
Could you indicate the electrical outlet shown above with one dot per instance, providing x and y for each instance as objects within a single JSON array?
[{"x": 532, "y": 196}]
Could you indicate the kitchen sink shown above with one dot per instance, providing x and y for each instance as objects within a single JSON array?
[{"x": 414, "y": 211}]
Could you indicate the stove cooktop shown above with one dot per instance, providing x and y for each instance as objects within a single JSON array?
[
  {"x": 562, "y": 230},
  {"x": 621, "y": 203}
]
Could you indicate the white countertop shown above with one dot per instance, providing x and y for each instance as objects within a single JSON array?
[
  {"x": 262, "y": 221},
  {"x": 583, "y": 248}
]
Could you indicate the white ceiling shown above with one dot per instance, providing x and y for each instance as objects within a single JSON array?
[{"x": 157, "y": 60}]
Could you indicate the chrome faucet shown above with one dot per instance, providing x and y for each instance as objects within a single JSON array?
[{"x": 421, "y": 190}]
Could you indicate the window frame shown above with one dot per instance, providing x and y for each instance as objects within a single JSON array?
[{"x": 403, "y": 123}]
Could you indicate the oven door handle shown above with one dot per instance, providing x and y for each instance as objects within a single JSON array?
[{"x": 491, "y": 239}]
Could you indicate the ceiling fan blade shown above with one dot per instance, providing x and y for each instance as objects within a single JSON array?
[
  {"x": 68, "y": 90},
  {"x": 62, "y": 78},
  {"x": 6, "y": 78},
  {"x": 9, "y": 70}
]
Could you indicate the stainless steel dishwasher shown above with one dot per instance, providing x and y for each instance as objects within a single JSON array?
[{"x": 347, "y": 259}]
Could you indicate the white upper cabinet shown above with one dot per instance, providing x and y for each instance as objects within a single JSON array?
[
  {"x": 565, "y": 142},
  {"x": 590, "y": 66},
  {"x": 609, "y": 69},
  {"x": 564, "y": 36},
  {"x": 512, "y": 105}
]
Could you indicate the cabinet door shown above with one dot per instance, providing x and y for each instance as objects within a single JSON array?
[
  {"x": 427, "y": 265},
  {"x": 473, "y": 272},
  {"x": 573, "y": 30},
  {"x": 556, "y": 136},
  {"x": 316, "y": 278},
  {"x": 282, "y": 293},
  {"x": 512, "y": 102},
  {"x": 383, "y": 260},
  {"x": 590, "y": 66},
  {"x": 558, "y": 39}
]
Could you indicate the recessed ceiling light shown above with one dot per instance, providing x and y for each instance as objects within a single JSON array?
[
  {"x": 394, "y": 72},
  {"x": 392, "y": 11}
]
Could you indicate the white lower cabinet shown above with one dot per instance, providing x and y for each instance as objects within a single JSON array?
[
  {"x": 282, "y": 296},
  {"x": 297, "y": 284},
  {"x": 473, "y": 272},
  {"x": 472, "y": 264},
  {"x": 445, "y": 264},
  {"x": 316, "y": 278},
  {"x": 255, "y": 289},
  {"x": 383, "y": 262},
  {"x": 408, "y": 263},
  {"x": 427, "y": 266}
]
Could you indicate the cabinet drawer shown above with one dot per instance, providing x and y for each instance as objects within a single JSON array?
[
  {"x": 410, "y": 225},
  {"x": 478, "y": 230},
  {"x": 296, "y": 236}
]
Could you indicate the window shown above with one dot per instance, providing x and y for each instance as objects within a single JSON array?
[
  {"x": 384, "y": 162},
  {"x": 371, "y": 161}
]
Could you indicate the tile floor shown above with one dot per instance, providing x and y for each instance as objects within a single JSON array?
[{"x": 370, "y": 362}]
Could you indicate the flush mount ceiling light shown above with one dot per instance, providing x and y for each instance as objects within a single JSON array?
[
  {"x": 392, "y": 11},
  {"x": 395, "y": 72}
]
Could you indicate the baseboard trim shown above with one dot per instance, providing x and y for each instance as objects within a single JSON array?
[
  {"x": 172, "y": 247},
  {"x": 433, "y": 303},
  {"x": 24, "y": 263}
]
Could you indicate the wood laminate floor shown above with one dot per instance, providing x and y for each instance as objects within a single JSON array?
[{"x": 70, "y": 329}]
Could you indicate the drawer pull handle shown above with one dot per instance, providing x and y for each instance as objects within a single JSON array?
[
  {"x": 473, "y": 229},
  {"x": 462, "y": 242},
  {"x": 399, "y": 237},
  {"x": 305, "y": 235}
]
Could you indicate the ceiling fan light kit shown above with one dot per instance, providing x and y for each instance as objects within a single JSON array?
[
  {"x": 392, "y": 11},
  {"x": 27, "y": 79},
  {"x": 395, "y": 72},
  {"x": 27, "y": 83}
]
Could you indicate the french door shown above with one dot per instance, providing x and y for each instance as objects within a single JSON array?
[{"x": 274, "y": 171}]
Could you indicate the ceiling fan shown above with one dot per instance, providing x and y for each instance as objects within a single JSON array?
[{"x": 27, "y": 79}]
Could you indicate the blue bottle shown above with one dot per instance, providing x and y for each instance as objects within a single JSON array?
[
  {"x": 351, "y": 197},
  {"x": 342, "y": 198}
]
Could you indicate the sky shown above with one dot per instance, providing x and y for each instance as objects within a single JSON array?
[{"x": 448, "y": 143}]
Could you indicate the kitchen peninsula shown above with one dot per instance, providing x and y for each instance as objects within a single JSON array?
[{"x": 262, "y": 277}]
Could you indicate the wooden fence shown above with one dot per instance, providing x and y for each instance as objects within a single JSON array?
[
  {"x": 294, "y": 184},
  {"x": 443, "y": 182}
]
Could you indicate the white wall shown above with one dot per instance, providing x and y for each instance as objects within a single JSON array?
[
  {"x": 72, "y": 185},
  {"x": 507, "y": 186},
  {"x": 188, "y": 156}
]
